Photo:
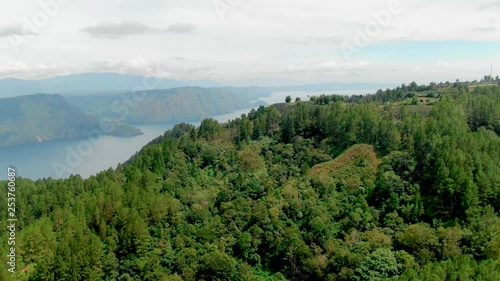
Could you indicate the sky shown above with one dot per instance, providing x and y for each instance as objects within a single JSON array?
[{"x": 253, "y": 42}]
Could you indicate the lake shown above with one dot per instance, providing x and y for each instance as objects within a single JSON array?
[
  {"x": 88, "y": 156},
  {"x": 84, "y": 156}
]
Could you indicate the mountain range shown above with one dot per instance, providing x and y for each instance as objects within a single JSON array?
[
  {"x": 106, "y": 83},
  {"x": 73, "y": 104},
  {"x": 90, "y": 83}
]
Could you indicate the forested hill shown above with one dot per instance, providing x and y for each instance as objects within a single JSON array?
[
  {"x": 43, "y": 117},
  {"x": 403, "y": 186},
  {"x": 169, "y": 105}
]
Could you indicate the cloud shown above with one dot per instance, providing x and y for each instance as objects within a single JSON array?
[
  {"x": 486, "y": 29},
  {"x": 181, "y": 28},
  {"x": 318, "y": 68},
  {"x": 127, "y": 28},
  {"x": 258, "y": 35},
  {"x": 490, "y": 5},
  {"x": 116, "y": 30},
  {"x": 163, "y": 69},
  {"x": 11, "y": 30},
  {"x": 136, "y": 66},
  {"x": 23, "y": 70},
  {"x": 314, "y": 40}
]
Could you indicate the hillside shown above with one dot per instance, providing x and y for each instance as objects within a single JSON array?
[
  {"x": 44, "y": 117},
  {"x": 168, "y": 105},
  {"x": 356, "y": 167},
  {"x": 335, "y": 188}
]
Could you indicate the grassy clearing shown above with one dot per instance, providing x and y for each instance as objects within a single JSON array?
[{"x": 357, "y": 166}]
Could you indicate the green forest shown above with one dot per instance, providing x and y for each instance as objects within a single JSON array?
[
  {"x": 403, "y": 184},
  {"x": 44, "y": 117}
]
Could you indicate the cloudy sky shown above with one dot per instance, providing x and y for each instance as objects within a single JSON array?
[{"x": 260, "y": 42}]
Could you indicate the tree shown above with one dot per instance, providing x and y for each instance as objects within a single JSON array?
[
  {"x": 288, "y": 128},
  {"x": 420, "y": 240},
  {"x": 337, "y": 189},
  {"x": 217, "y": 266},
  {"x": 209, "y": 128},
  {"x": 413, "y": 86},
  {"x": 288, "y": 99},
  {"x": 245, "y": 243},
  {"x": 379, "y": 265},
  {"x": 486, "y": 235}
]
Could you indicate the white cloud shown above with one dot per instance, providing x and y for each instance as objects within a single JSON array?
[
  {"x": 12, "y": 30},
  {"x": 181, "y": 28},
  {"x": 280, "y": 39},
  {"x": 490, "y": 5},
  {"x": 489, "y": 28},
  {"x": 126, "y": 28},
  {"x": 114, "y": 30}
]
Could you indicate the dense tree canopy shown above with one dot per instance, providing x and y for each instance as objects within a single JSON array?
[{"x": 336, "y": 188}]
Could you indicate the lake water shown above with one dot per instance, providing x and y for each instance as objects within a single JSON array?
[
  {"x": 84, "y": 156},
  {"x": 88, "y": 156}
]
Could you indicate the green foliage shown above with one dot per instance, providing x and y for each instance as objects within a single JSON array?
[
  {"x": 209, "y": 129},
  {"x": 379, "y": 265},
  {"x": 331, "y": 189},
  {"x": 419, "y": 240},
  {"x": 457, "y": 269},
  {"x": 217, "y": 266}
]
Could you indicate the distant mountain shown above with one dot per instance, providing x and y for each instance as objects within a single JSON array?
[
  {"x": 43, "y": 117},
  {"x": 169, "y": 105},
  {"x": 191, "y": 103},
  {"x": 91, "y": 83},
  {"x": 113, "y": 83}
]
